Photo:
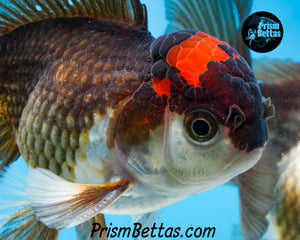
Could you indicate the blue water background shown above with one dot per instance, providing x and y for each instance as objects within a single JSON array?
[{"x": 218, "y": 207}]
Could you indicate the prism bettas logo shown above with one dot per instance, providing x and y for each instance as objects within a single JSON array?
[{"x": 262, "y": 32}]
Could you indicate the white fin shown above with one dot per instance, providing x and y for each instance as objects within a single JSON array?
[
  {"x": 17, "y": 220},
  {"x": 84, "y": 230},
  {"x": 61, "y": 204}
]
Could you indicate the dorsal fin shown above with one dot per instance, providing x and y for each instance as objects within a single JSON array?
[
  {"x": 221, "y": 19},
  {"x": 20, "y": 12}
]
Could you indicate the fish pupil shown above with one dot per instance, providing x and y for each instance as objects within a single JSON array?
[{"x": 200, "y": 127}]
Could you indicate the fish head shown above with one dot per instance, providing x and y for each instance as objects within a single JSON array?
[{"x": 204, "y": 109}]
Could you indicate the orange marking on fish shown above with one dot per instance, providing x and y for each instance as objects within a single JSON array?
[
  {"x": 161, "y": 87},
  {"x": 235, "y": 55},
  {"x": 192, "y": 55},
  {"x": 172, "y": 55}
]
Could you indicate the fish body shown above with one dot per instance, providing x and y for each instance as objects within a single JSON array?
[
  {"x": 81, "y": 78},
  {"x": 118, "y": 122},
  {"x": 81, "y": 86},
  {"x": 283, "y": 145}
]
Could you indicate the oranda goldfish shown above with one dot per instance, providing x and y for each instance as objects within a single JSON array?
[
  {"x": 113, "y": 121},
  {"x": 281, "y": 82}
]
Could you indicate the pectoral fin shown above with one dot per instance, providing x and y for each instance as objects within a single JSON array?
[
  {"x": 257, "y": 187},
  {"x": 61, "y": 204}
]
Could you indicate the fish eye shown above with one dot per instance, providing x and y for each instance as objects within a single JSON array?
[{"x": 202, "y": 127}]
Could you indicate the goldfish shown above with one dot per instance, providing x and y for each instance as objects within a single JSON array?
[
  {"x": 280, "y": 80},
  {"x": 282, "y": 84},
  {"x": 111, "y": 120}
]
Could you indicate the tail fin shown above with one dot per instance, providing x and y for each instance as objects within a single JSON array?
[{"x": 17, "y": 220}]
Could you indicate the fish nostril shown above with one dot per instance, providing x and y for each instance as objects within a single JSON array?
[{"x": 235, "y": 117}]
